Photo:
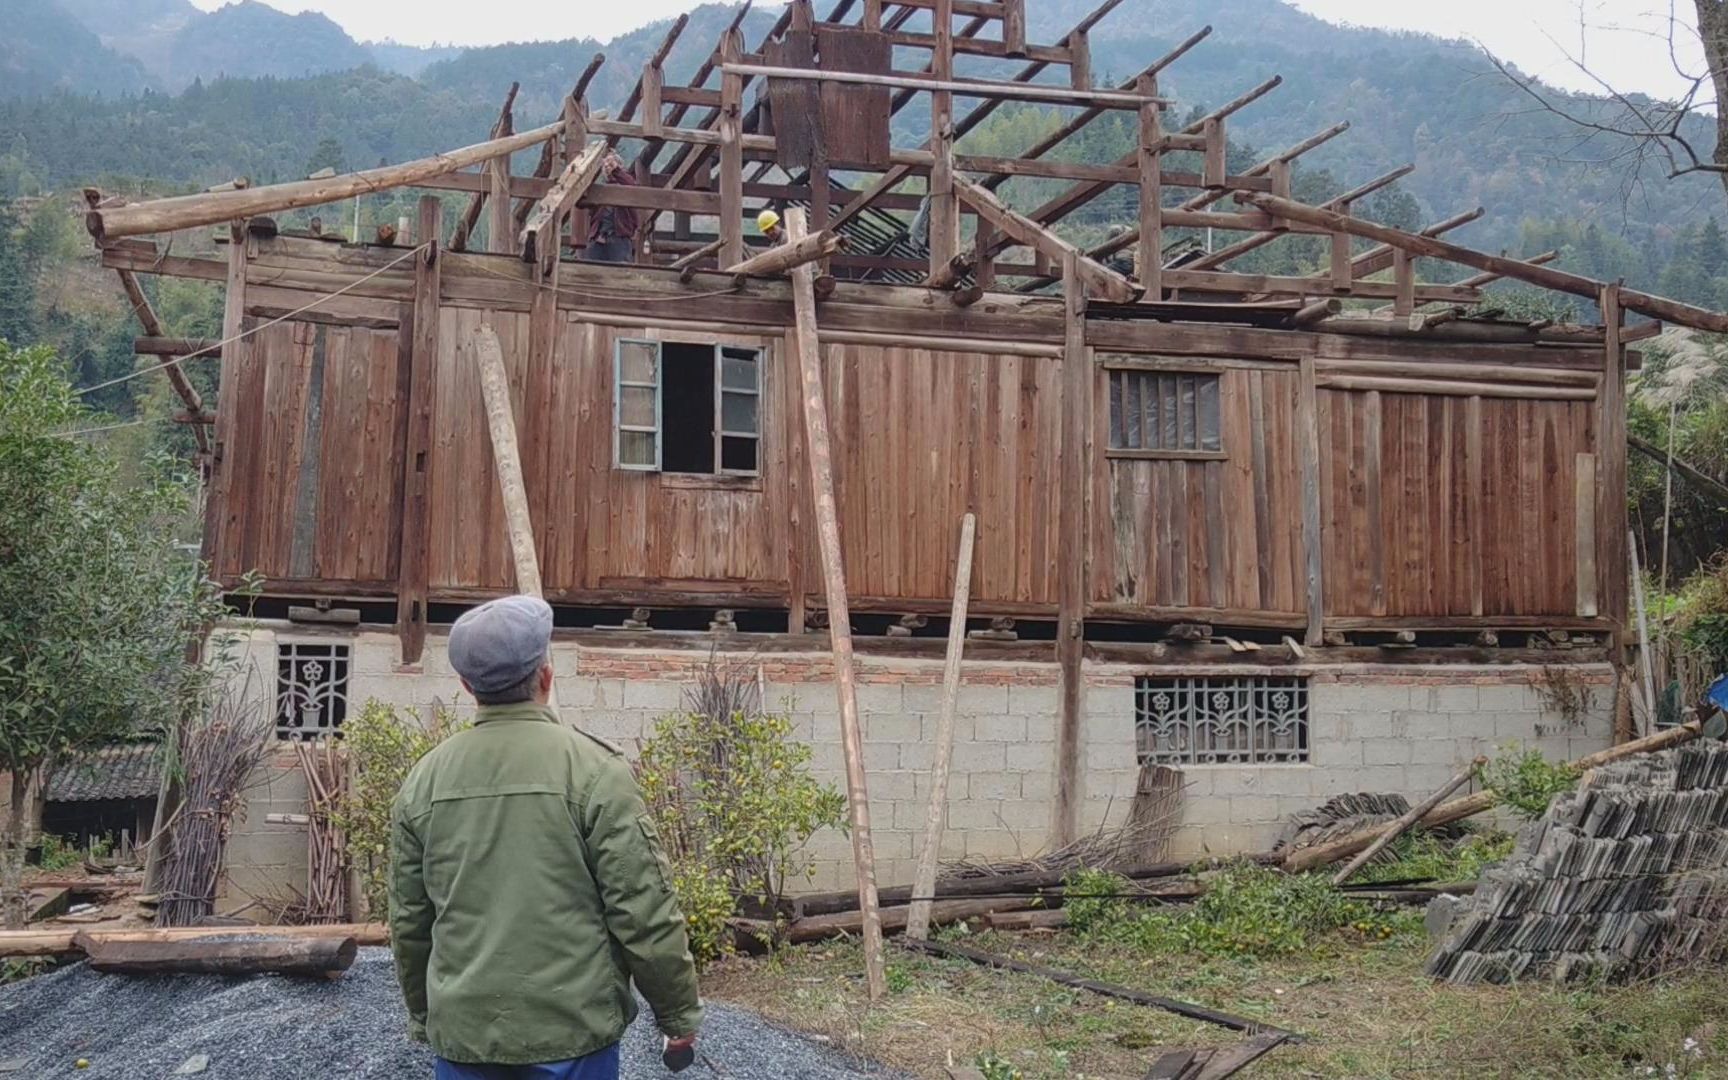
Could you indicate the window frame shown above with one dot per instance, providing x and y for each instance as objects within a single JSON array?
[
  {"x": 721, "y": 432},
  {"x": 1112, "y": 366},
  {"x": 292, "y": 695},
  {"x": 1198, "y": 725}
]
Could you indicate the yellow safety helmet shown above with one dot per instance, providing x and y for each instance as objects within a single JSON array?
[{"x": 767, "y": 221}]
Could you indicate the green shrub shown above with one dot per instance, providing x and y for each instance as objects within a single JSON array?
[
  {"x": 1526, "y": 781},
  {"x": 734, "y": 803},
  {"x": 58, "y": 852},
  {"x": 1247, "y": 910},
  {"x": 1420, "y": 855},
  {"x": 994, "y": 1068},
  {"x": 381, "y": 747}
]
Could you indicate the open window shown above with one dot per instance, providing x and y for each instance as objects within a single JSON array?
[{"x": 685, "y": 407}]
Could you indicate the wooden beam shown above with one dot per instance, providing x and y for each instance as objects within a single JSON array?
[
  {"x": 1010, "y": 91},
  {"x": 1261, "y": 239},
  {"x": 416, "y": 391},
  {"x": 731, "y": 153},
  {"x": 168, "y": 351},
  {"x": 1705, "y": 484},
  {"x": 173, "y": 346},
  {"x": 1547, "y": 277},
  {"x": 540, "y": 234},
  {"x": 507, "y": 457},
  {"x": 821, "y": 457},
  {"x": 501, "y": 127},
  {"x": 194, "y": 211},
  {"x": 777, "y": 261},
  {"x": 1308, "y": 446},
  {"x": 924, "y": 881},
  {"x": 1097, "y": 276}
]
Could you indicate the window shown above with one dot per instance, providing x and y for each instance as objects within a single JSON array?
[
  {"x": 311, "y": 690},
  {"x": 1260, "y": 720},
  {"x": 687, "y": 408},
  {"x": 1158, "y": 413}
]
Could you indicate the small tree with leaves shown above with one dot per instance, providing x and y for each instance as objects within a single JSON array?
[{"x": 97, "y": 606}]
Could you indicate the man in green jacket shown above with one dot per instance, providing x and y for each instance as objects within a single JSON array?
[{"x": 527, "y": 883}]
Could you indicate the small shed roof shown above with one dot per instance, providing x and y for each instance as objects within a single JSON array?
[{"x": 133, "y": 771}]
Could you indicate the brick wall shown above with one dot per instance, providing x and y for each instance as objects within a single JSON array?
[{"x": 1372, "y": 728}]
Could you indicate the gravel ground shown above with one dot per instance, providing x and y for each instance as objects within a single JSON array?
[{"x": 270, "y": 1028}]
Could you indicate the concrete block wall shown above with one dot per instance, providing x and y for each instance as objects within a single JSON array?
[{"x": 1372, "y": 728}]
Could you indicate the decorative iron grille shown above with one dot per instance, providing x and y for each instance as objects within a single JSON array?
[
  {"x": 311, "y": 690},
  {"x": 1259, "y": 720}
]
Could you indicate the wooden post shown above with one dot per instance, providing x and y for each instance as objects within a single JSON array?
[
  {"x": 415, "y": 552},
  {"x": 1071, "y": 529},
  {"x": 1150, "y": 261},
  {"x": 731, "y": 152},
  {"x": 944, "y": 210},
  {"x": 924, "y": 882},
  {"x": 1014, "y": 27},
  {"x": 1079, "y": 60},
  {"x": 501, "y": 425},
  {"x": 500, "y": 222},
  {"x": 1611, "y": 525},
  {"x": 1216, "y": 145},
  {"x": 1308, "y": 436},
  {"x": 821, "y": 457}
]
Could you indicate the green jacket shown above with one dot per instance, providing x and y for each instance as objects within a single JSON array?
[{"x": 527, "y": 889}]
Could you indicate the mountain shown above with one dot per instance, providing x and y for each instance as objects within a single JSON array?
[
  {"x": 409, "y": 60},
  {"x": 252, "y": 40},
  {"x": 142, "y": 29},
  {"x": 44, "y": 49}
]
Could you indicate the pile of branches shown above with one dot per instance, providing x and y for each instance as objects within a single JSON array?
[
  {"x": 217, "y": 752},
  {"x": 326, "y": 850}
]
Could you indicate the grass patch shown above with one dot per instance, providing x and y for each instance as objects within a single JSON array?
[
  {"x": 1363, "y": 1004},
  {"x": 1419, "y": 855}
]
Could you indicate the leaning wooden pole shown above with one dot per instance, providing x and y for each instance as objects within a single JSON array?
[
  {"x": 821, "y": 458},
  {"x": 1470, "y": 805},
  {"x": 495, "y": 386},
  {"x": 1410, "y": 818},
  {"x": 924, "y": 882}
]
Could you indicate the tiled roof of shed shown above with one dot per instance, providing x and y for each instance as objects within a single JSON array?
[{"x": 133, "y": 771}]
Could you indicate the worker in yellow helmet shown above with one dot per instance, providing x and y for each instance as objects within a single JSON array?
[{"x": 768, "y": 223}]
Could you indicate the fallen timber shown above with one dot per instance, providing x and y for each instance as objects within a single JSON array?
[
  {"x": 15, "y": 944},
  {"x": 243, "y": 953}
]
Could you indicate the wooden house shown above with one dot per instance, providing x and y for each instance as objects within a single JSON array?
[{"x": 1291, "y": 535}]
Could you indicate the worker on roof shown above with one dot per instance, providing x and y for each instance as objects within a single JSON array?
[
  {"x": 528, "y": 888},
  {"x": 768, "y": 224},
  {"x": 612, "y": 229}
]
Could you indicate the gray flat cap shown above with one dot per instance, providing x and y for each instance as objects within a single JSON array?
[{"x": 501, "y": 642}]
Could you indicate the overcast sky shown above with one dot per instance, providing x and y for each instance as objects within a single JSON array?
[{"x": 1623, "y": 41}]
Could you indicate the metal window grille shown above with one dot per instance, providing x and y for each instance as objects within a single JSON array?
[
  {"x": 1173, "y": 412},
  {"x": 1208, "y": 720},
  {"x": 311, "y": 690}
]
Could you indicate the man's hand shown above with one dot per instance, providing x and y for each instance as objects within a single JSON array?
[{"x": 679, "y": 1053}]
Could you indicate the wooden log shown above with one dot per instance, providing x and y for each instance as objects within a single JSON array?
[
  {"x": 777, "y": 261},
  {"x": 1044, "y": 919},
  {"x": 540, "y": 234},
  {"x": 821, "y": 457},
  {"x": 25, "y": 943},
  {"x": 414, "y": 552},
  {"x": 175, "y": 346},
  {"x": 194, "y": 211},
  {"x": 1545, "y": 276},
  {"x": 1407, "y": 820},
  {"x": 1471, "y": 805},
  {"x": 894, "y": 919},
  {"x": 501, "y": 426},
  {"x": 326, "y": 956},
  {"x": 924, "y": 883},
  {"x": 951, "y": 273}
]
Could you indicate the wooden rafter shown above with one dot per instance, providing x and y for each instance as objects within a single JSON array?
[
  {"x": 501, "y": 127},
  {"x": 1022, "y": 229},
  {"x": 543, "y": 222}
]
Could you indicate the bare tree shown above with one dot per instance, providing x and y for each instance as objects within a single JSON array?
[{"x": 1650, "y": 129}]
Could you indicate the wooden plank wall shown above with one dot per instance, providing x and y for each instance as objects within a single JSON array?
[
  {"x": 923, "y": 436},
  {"x": 1449, "y": 505},
  {"x": 596, "y": 527},
  {"x": 312, "y": 469},
  {"x": 1220, "y": 534}
]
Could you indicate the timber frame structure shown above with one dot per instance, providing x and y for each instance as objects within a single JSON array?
[{"x": 1169, "y": 460}]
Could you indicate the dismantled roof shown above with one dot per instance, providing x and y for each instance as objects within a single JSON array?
[{"x": 133, "y": 771}]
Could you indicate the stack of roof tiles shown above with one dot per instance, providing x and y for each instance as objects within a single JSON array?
[{"x": 1621, "y": 876}]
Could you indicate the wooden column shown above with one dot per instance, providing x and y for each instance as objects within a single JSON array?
[
  {"x": 731, "y": 153},
  {"x": 1079, "y": 60},
  {"x": 924, "y": 882},
  {"x": 1150, "y": 259},
  {"x": 1612, "y": 557},
  {"x": 944, "y": 211},
  {"x": 1404, "y": 276},
  {"x": 1308, "y": 436},
  {"x": 1071, "y": 529},
  {"x": 1343, "y": 263},
  {"x": 216, "y": 515},
  {"x": 422, "y": 333},
  {"x": 501, "y": 224},
  {"x": 1014, "y": 27},
  {"x": 1216, "y": 146},
  {"x": 821, "y": 458}
]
